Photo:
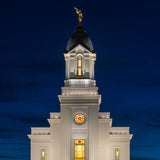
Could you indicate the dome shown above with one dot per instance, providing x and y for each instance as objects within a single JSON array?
[{"x": 79, "y": 37}]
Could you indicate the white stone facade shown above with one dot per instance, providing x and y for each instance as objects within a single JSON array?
[
  {"x": 80, "y": 95},
  {"x": 108, "y": 137}
]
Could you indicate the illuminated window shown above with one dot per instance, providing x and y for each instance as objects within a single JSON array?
[
  {"x": 79, "y": 66},
  {"x": 116, "y": 153},
  {"x": 42, "y": 154},
  {"x": 79, "y": 149}
]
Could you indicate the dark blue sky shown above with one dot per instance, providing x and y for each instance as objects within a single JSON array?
[{"x": 33, "y": 36}]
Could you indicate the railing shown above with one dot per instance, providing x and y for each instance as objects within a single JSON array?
[
  {"x": 119, "y": 130},
  {"x": 40, "y": 131}
]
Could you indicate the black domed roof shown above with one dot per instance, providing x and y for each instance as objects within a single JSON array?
[{"x": 79, "y": 37}]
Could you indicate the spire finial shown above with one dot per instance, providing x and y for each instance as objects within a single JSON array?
[{"x": 80, "y": 16}]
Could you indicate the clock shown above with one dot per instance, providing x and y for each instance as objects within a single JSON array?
[{"x": 79, "y": 118}]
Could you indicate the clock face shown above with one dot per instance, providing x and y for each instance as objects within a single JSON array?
[{"x": 79, "y": 118}]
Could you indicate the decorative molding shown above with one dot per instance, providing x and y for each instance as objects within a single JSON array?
[
  {"x": 55, "y": 115},
  {"x": 80, "y": 83},
  {"x": 104, "y": 115},
  {"x": 120, "y": 138},
  {"x": 119, "y": 131},
  {"x": 40, "y": 131},
  {"x": 79, "y": 91}
]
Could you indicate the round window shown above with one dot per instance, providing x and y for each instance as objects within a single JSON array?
[{"x": 79, "y": 118}]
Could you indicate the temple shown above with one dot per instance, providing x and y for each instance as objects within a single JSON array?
[{"x": 80, "y": 131}]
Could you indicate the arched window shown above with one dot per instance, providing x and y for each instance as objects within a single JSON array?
[
  {"x": 116, "y": 153},
  {"x": 79, "y": 65},
  {"x": 42, "y": 154}
]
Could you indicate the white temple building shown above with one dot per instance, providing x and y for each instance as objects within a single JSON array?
[{"x": 80, "y": 131}]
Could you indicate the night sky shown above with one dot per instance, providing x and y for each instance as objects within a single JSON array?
[{"x": 33, "y": 36}]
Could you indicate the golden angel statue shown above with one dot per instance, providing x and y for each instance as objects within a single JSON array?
[{"x": 80, "y": 16}]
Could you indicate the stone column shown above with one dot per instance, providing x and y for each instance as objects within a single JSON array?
[
  {"x": 93, "y": 132},
  {"x": 65, "y": 133}
]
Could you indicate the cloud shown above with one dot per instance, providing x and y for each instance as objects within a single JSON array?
[
  {"x": 19, "y": 77},
  {"x": 155, "y": 84},
  {"x": 142, "y": 158},
  {"x": 122, "y": 118},
  {"x": 4, "y": 99},
  {"x": 128, "y": 116},
  {"x": 17, "y": 144},
  {"x": 112, "y": 65},
  {"x": 7, "y": 136},
  {"x": 26, "y": 120},
  {"x": 153, "y": 124},
  {"x": 154, "y": 120},
  {"x": 52, "y": 67},
  {"x": 18, "y": 149},
  {"x": 36, "y": 67},
  {"x": 5, "y": 130},
  {"x": 152, "y": 81},
  {"x": 14, "y": 157},
  {"x": 31, "y": 120},
  {"x": 7, "y": 133},
  {"x": 10, "y": 85},
  {"x": 7, "y": 157}
]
